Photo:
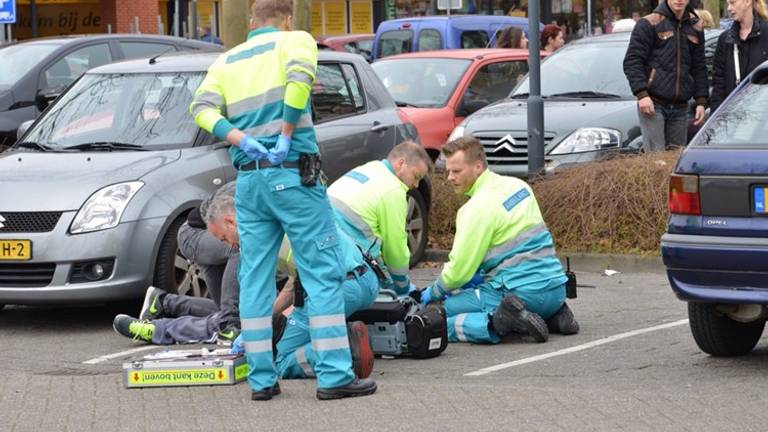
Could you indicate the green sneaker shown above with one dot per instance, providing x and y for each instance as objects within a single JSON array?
[
  {"x": 133, "y": 328},
  {"x": 227, "y": 336},
  {"x": 152, "y": 308}
]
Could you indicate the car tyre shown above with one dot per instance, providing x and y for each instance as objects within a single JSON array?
[
  {"x": 417, "y": 225},
  {"x": 720, "y": 336},
  {"x": 165, "y": 276}
]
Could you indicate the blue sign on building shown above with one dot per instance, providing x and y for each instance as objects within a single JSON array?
[{"x": 7, "y": 11}]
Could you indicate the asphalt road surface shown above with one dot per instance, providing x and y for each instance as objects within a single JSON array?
[{"x": 634, "y": 366}]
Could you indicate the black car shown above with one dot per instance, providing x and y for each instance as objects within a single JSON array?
[{"x": 34, "y": 72}]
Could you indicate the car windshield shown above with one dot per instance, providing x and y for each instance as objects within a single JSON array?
[
  {"x": 17, "y": 60},
  {"x": 421, "y": 82},
  {"x": 743, "y": 122},
  {"x": 121, "y": 111},
  {"x": 583, "y": 70}
]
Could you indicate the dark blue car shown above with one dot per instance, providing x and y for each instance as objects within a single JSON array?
[{"x": 716, "y": 245}]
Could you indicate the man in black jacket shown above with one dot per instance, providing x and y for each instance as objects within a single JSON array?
[
  {"x": 665, "y": 68},
  {"x": 748, "y": 37}
]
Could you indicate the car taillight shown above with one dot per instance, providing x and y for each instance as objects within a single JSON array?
[{"x": 684, "y": 194}]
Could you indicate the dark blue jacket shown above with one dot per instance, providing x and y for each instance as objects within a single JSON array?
[{"x": 665, "y": 58}]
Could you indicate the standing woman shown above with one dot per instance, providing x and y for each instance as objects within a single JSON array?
[
  {"x": 552, "y": 38},
  {"x": 746, "y": 40},
  {"x": 511, "y": 37}
]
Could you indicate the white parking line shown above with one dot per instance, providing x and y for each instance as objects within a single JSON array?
[
  {"x": 104, "y": 358},
  {"x": 576, "y": 348}
]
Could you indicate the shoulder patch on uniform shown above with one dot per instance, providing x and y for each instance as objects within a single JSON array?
[
  {"x": 251, "y": 52},
  {"x": 516, "y": 198},
  {"x": 357, "y": 176},
  {"x": 654, "y": 18}
]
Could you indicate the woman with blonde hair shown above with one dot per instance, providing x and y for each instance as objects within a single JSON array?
[{"x": 741, "y": 48}]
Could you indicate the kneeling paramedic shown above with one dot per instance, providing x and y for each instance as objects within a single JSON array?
[
  {"x": 501, "y": 235},
  {"x": 263, "y": 86},
  {"x": 371, "y": 204},
  {"x": 296, "y": 354}
]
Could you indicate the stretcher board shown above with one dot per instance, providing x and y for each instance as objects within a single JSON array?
[{"x": 185, "y": 368}]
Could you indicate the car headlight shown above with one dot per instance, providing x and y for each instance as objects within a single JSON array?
[
  {"x": 104, "y": 208},
  {"x": 588, "y": 139},
  {"x": 457, "y": 132}
]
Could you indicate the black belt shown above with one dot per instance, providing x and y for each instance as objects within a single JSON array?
[
  {"x": 357, "y": 272},
  {"x": 264, "y": 163}
]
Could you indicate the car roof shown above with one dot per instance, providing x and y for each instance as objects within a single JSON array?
[
  {"x": 624, "y": 37},
  {"x": 480, "y": 18},
  {"x": 195, "y": 62},
  {"x": 346, "y": 38},
  {"x": 469, "y": 54},
  {"x": 71, "y": 39}
]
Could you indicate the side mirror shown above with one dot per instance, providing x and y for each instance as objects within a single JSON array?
[
  {"x": 45, "y": 97},
  {"x": 467, "y": 108},
  {"x": 23, "y": 128}
]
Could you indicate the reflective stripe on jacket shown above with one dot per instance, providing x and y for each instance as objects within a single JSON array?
[
  {"x": 259, "y": 85},
  {"x": 371, "y": 203},
  {"x": 500, "y": 231}
]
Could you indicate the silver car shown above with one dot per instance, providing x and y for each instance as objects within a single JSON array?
[{"x": 92, "y": 195}]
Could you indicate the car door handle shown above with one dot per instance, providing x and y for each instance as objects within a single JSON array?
[{"x": 378, "y": 127}]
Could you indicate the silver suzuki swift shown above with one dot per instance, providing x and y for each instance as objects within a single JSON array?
[{"x": 93, "y": 193}]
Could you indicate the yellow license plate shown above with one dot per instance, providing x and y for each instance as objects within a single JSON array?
[{"x": 19, "y": 250}]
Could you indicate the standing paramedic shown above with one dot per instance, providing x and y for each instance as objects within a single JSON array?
[{"x": 256, "y": 97}]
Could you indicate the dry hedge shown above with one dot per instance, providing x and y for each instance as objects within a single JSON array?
[{"x": 613, "y": 206}]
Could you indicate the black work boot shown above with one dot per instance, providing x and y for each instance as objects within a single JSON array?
[
  {"x": 360, "y": 348},
  {"x": 266, "y": 394},
  {"x": 358, "y": 387},
  {"x": 511, "y": 317},
  {"x": 563, "y": 322}
]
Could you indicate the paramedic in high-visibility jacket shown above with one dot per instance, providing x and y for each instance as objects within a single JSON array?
[
  {"x": 500, "y": 235},
  {"x": 256, "y": 97},
  {"x": 371, "y": 206}
]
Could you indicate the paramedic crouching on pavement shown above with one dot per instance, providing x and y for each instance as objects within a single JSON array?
[
  {"x": 263, "y": 86},
  {"x": 371, "y": 205},
  {"x": 501, "y": 235}
]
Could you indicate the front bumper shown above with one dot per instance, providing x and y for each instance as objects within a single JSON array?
[
  {"x": 130, "y": 244},
  {"x": 717, "y": 269},
  {"x": 552, "y": 164}
]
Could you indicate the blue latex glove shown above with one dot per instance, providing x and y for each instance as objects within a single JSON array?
[
  {"x": 238, "y": 347},
  {"x": 476, "y": 280},
  {"x": 278, "y": 153},
  {"x": 426, "y": 296},
  {"x": 253, "y": 148}
]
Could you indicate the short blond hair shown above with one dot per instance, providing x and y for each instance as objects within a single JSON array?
[
  {"x": 265, "y": 10},
  {"x": 473, "y": 150}
]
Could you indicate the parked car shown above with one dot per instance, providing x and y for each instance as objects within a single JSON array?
[
  {"x": 431, "y": 33},
  {"x": 438, "y": 89},
  {"x": 589, "y": 110},
  {"x": 716, "y": 245},
  {"x": 94, "y": 192},
  {"x": 355, "y": 43},
  {"x": 34, "y": 72}
]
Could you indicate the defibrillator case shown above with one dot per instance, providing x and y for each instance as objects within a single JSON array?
[
  {"x": 185, "y": 368},
  {"x": 399, "y": 327}
]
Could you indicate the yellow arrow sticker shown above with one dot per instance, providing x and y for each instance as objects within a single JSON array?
[{"x": 177, "y": 377}]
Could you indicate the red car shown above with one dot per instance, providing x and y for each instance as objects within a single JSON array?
[
  {"x": 355, "y": 43},
  {"x": 437, "y": 89}
]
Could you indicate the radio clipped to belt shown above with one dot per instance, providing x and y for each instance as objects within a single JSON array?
[
  {"x": 310, "y": 168},
  {"x": 373, "y": 263}
]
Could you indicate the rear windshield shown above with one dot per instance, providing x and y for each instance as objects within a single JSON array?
[
  {"x": 394, "y": 42},
  {"x": 743, "y": 122}
]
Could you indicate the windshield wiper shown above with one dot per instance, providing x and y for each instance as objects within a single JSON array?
[
  {"x": 34, "y": 145},
  {"x": 587, "y": 94},
  {"x": 520, "y": 96},
  {"x": 405, "y": 104},
  {"x": 106, "y": 146}
]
